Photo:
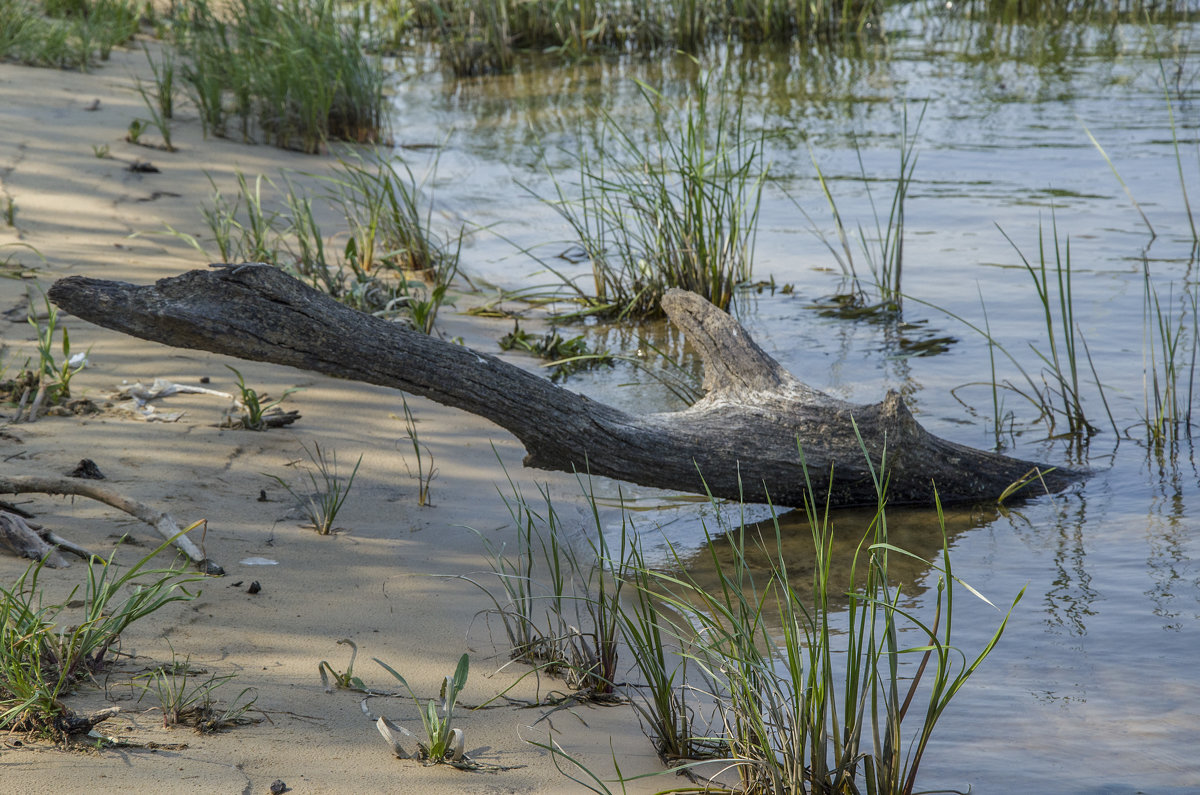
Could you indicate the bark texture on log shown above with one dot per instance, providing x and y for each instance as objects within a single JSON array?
[{"x": 742, "y": 435}]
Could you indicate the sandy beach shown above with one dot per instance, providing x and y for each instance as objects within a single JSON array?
[{"x": 386, "y": 580}]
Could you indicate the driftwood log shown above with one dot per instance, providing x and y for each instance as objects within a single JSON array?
[{"x": 742, "y": 436}]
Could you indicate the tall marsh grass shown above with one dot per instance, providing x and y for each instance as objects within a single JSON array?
[
  {"x": 766, "y": 675},
  {"x": 1170, "y": 344},
  {"x": 676, "y": 207},
  {"x": 883, "y": 245},
  {"x": 66, "y": 34},
  {"x": 288, "y": 73}
]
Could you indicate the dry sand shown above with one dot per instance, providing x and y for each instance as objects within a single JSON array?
[{"x": 386, "y": 582}]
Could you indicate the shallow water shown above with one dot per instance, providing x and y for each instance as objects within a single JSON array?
[{"x": 1094, "y": 688}]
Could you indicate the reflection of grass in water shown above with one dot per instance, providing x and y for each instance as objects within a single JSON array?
[
  {"x": 1054, "y": 13},
  {"x": 916, "y": 530},
  {"x": 481, "y": 36}
]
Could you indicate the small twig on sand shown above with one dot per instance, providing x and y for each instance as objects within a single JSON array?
[{"x": 163, "y": 523}]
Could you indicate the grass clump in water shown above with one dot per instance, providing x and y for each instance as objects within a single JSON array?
[
  {"x": 66, "y": 34},
  {"x": 288, "y": 73},
  {"x": 800, "y": 694},
  {"x": 678, "y": 210}
]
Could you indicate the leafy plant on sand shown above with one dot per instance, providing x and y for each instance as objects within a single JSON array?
[
  {"x": 345, "y": 680},
  {"x": 679, "y": 210},
  {"x": 42, "y": 658},
  {"x": 48, "y": 383},
  {"x": 329, "y": 491},
  {"x": 443, "y": 741},
  {"x": 253, "y": 411}
]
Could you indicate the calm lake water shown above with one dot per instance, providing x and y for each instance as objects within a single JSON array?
[{"x": 1095, "y": 687}]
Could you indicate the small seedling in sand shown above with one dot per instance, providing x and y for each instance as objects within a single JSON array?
[
  {"x": 10, "y": 212},
  {"x": 443, "y": 742},
  {"x": 426, "y": 471},
  {"x": 258, "y": 412},
  {"x": 329, "y": 491},
  {"x": 49, "y": 382},
  {"x": 346, "y": 681},
  {"x": 100, "y": 150},
  {"x": 136, "y": 128},
  {"x": 185, "y": 701}
]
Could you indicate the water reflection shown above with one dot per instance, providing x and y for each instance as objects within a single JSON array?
[
  {"x": 914, "y": 530},
  {"x": 1093, "y": 668}
]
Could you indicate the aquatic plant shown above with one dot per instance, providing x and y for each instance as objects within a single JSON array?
[
  {"x": 309, "y": 82},
  {"x": 884, "y": 248},
  {"x": 1170, "y": 343},
  {"x": 565, "y": 356},
  {"x": 1065, "y": 346},
  {"x": 677, "y": 211}
]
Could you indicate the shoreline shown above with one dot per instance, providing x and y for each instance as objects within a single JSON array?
[{"x": 387, "y": 581}]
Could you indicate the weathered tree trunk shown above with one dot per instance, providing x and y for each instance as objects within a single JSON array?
[{"x": 742, "y": 436}]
